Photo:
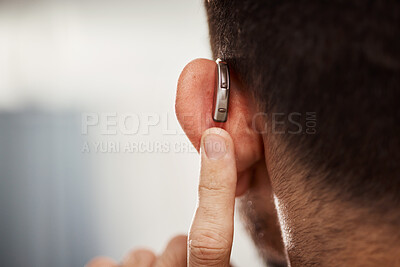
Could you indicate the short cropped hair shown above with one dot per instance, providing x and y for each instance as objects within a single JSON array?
[{"x": 339, "y": 59}]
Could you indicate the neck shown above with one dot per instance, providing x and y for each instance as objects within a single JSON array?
[{"x": 320, "y": 230}]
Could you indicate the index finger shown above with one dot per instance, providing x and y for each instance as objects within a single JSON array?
[{"x": 211, "y": 233}]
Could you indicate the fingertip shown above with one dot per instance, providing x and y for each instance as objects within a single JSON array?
[
  {"x": 101, "y": 262},
  {"x": 216, "y": 144},
  {"x": 175, "y": 253},
  {"x": 179, "y": 241},
  {"x": 140, "y": 257},
  {"x": 218, "y": 131}
]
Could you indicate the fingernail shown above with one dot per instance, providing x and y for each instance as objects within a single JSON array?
[{"x": 215, "y": 146}]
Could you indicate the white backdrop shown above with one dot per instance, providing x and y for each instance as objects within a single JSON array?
[{"x": 114, "y": 57}]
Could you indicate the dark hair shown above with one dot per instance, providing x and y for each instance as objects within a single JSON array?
[{"x": 339, "y": 59}]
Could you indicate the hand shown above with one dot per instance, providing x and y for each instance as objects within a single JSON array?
[{"x": 210, "y": 237}]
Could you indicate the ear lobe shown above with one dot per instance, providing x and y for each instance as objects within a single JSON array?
[{"x": 194, "y": 101}]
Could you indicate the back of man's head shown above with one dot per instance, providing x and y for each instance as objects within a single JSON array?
[{"x": 339, "y": 59}]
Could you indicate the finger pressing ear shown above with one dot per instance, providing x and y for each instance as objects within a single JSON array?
[{"x": 211, "y": 233}]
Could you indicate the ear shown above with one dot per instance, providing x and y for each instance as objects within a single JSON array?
[{"x": 194, "y": 101}]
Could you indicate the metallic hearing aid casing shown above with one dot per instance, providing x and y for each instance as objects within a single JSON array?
[{"x": 221, "y": 92}]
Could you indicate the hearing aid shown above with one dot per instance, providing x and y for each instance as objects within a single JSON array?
[{"x": 221, "y": 92}]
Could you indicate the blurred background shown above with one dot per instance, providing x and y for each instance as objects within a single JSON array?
[{"x": 92, "y": 159}]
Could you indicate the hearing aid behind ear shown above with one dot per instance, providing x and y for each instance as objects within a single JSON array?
[{"x": 221, "y": 92}]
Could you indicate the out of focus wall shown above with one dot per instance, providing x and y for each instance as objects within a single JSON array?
[
  {"x": 46, "y": 204},
  {"x": 59, "y": 60}
]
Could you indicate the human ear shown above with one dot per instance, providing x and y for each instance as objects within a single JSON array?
[{"x": 193, "y": 106}]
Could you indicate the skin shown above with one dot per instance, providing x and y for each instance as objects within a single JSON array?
[
  {"x": 210, "y": 237},
  {"x": 293, "y": 220}
]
